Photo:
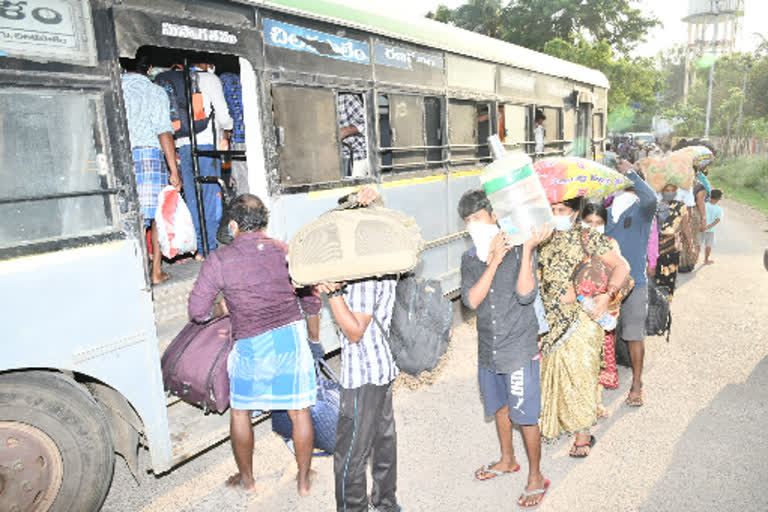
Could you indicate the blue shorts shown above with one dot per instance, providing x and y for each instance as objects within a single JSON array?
[{"x": 520, "y": 390}]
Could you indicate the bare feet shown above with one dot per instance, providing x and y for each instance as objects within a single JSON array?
[
  {"x": 534, "y": 491},
  {"x": 159, "y": 278},
  {"x": 199, "y": 257},
  {"x": 305, "y": 486},
  {"x": 709, "y": 262},
  {"x": 496, "y": 469},
  {"x": 236, "y": 482}
]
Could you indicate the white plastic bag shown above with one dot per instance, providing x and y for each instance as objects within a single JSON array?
[{"x": 175, "y": 230}]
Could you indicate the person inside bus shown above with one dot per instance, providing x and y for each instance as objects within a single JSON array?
[
  {"x": 215, "y": 106},
  {"x": 538, "y": 132},
  {"x": 271, "y": 365},
  {"x": 351, "y": 111},
  {"x": 147, "y": 109}
]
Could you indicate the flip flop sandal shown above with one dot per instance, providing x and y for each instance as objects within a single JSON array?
[
  {"x": 637, "y": 402},
  {"x": 487, "y": 468},
  {"x": 527, "y": 494},
  {"x": 591, "y": 443}
]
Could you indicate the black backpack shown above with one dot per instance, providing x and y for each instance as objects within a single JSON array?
[
  {"x": 421, "y": 325},
  {"x": 173, "y": 83}
]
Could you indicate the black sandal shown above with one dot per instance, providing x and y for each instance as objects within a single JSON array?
[{"x": 591, "y": 443}]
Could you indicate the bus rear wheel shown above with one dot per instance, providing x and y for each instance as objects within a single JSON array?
[{"x": 56, "y": 451}]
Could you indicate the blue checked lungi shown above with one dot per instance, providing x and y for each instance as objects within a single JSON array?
[
  {"x": 273, "y": 371},
  {"x": 151, "y": 177}
]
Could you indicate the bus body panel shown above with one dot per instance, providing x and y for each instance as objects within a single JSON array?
[{"x": 42, "y": 332}]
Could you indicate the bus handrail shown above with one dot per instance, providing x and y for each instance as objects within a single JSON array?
[{"x": 60, "y": 195}]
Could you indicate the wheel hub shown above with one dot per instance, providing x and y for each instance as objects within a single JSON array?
[{"x": 31, "y": 469}]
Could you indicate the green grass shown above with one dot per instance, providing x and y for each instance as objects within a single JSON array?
[{"x": 744, "y": 179}]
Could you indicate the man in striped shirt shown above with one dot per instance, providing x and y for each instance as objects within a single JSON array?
[{"x": 363, "y": 311}]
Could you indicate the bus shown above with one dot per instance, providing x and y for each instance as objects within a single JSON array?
[{"x": 84, "y": 329}]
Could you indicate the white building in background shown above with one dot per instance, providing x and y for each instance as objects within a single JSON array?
[{"x": 713, "y": 28}]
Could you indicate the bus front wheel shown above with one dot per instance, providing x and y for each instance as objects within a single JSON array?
[{"x": 55, "y": 446}]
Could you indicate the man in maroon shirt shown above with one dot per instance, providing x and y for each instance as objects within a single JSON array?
[{"x": 271, "y": 365}]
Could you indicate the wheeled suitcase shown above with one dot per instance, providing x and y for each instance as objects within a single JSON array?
[{"x": 195, "y": 364}]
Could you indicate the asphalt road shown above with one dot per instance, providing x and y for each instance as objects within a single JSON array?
[{"x": 697, "y": 444}]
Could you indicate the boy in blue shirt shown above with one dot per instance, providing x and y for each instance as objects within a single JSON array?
[{"x": 714, "y": 216}]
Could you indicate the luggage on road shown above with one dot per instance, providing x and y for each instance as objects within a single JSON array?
[
  {"x": 325, "y": 412},
  {"x": 195, "y": 364}
]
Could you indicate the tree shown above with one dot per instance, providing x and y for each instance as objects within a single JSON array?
[
  {"x": 443, "y": 14},
  {"x": 533, "y": 23},
  {"x": 634, "y": 81}
]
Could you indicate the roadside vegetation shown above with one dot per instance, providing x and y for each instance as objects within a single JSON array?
[{"x": 744, "y": 179}]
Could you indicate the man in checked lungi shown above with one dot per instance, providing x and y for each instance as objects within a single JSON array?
[
  {"x": 271, "y": 365},
  {"x": 147, "y": 109}
]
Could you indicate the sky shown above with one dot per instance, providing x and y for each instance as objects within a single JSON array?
[{"x": 670, "y": 12}]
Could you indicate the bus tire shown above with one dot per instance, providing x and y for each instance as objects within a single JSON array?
[{"x": 55, "y": 445}]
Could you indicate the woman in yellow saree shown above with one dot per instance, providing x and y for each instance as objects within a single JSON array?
[{"x": 570, "y": 365}]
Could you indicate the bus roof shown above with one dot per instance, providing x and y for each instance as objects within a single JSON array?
[{"x": 439, "y": 35}]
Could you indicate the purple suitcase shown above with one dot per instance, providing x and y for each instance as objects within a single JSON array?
[{"x": 195, "y": 364}]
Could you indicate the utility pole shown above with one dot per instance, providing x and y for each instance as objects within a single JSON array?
[
  {"x": 747, "y": 68},
  {"x": 715, "y": 10}
]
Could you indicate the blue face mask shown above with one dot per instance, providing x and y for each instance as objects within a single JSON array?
[{"x": 562, "y": 222}]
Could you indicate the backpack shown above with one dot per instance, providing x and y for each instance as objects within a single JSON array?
[
  {"x": 421, "y": 325},
  {"x": 659, "y": 319},
  {"x": 173, "y": 83}
]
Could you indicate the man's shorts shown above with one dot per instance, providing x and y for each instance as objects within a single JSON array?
[
  {"x": 520, "y": 390},
  {"x": 634, "y": 310},
  {"x": 707, "y": 238}
]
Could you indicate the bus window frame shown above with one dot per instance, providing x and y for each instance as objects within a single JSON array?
[
  {"x": 276, "y": 185},
  {"x": 527, "y": 108},
  {"x": 124, "y": 206},
  {"x": 560, "y": 141},
  {"x": 491, "y": 104},
  {"x": 432, "y": 165}
]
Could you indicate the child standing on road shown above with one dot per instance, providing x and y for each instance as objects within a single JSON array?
[
  {"x": 714, "y": 216},
  {"x": 499, "y": 282}
]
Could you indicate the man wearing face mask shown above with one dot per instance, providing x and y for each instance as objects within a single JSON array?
[
  {"x": 630, "y": 218},
  {"x": 499, "y": 282}
]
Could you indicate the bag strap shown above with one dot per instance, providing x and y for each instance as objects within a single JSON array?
[{"x": 322, "y": 366}]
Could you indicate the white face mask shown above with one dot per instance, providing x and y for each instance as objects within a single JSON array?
[
  {"x": 622, "y": 201},
  {"x": 482, "y": 235},
  {"x": 599, "y": 229},
  {"x": 562, "y": 222}
]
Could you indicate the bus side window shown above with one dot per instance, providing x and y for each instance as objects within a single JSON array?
[
  {"x": 306, "y": 129},
  {"x": 484, "y": 130},
  {"x": 553, "y": 135},
  {"x": 515, "y": 130},
  {"x": 462, "y": 130},
  {"x": 409, "y": 131},
  {"x": 433, "y": 124},
  {"x": 54, "y": 167},
  {"x": 597, "y": 131},
  {"x": 353, "y": 129}
]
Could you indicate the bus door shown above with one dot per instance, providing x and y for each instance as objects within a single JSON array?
[{"x": 220, "y": 39}]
